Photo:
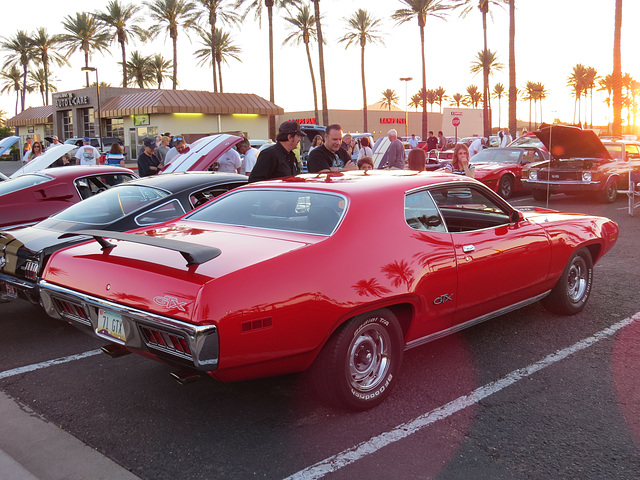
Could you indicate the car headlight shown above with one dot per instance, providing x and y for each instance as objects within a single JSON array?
[
  {"x": 586, "y": 176},
  {"x": 533, "y": 175}
]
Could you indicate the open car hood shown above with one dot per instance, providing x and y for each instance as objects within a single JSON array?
[
  {"x": 572, "y": 142},
  {"x": 45, "y": 160},
  {"x": 203, "y": 153},
  {"x": 7, "y": 142}
]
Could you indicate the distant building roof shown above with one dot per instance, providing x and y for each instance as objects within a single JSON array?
[
  {"x": 187, "y": 101},
  {"x": 32, "y": 116}
]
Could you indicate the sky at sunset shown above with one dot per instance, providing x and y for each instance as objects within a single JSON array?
[{"x": 552, "y": 36}]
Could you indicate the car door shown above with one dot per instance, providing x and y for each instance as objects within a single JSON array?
[{"x": 500, "y": 263}]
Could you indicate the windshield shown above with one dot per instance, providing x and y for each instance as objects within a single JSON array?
[
  {"x": 23, "y": 181},
  {"x": 498, "y": 155},
  {"x": 296, "y": 211},
  {"x": 111, "y": 205}
]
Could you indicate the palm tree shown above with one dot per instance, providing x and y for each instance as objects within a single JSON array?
[
  {"x": 323, "y": 82},
  {"x": 606, "y": 84},
  {"x": 457, "y": 99},
  {"x": 45, "y": 49},
  {"x": 139, "y": 67},
  {"x": 224, "y": 49},
  {"x": 39, "y": 81},
  {"x": 363, "y": 30},
  {"x": 215, "y": 9},
  {"x": 20, "y": 48},
  {"x": 85, "y": 33},
  {"x": 257, "y": 6},
  {"x": 577, "y": 82},
  {"x": 431, "y": 98},
  {"x": 590, "y": 77},
  {"x": 513, "y": 88},
  {"x": 440, "y": 97},
  {"x": 171, "y": 15},
  {"x": 304, "y": 31},
  {"x": 617, "y": 70},
  {"x": 483, "y": 6},
  {"x": 11, "y": 80},
  {"x": 421, "y": 9},
  {"x": 120, "y": 21},
  {"x": 416, "y": 101},
  {"x": 389, "y": 98},
  {"x": 528, "y": 95},
  {"x": 540, "y": 94},
  {"x": 161, "y": 69},
  {"x": 486, "y": 62},
  {"x": 498, "y": 92},
  {"x": 473, "y": 96}
]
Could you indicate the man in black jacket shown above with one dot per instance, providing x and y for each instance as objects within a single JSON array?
[
  {"x": 329, "y": 157},
  {"x": 279, "y": 161}
]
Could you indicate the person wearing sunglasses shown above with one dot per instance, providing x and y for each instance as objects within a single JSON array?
[
  {"x": 180, "y": 146},
  {"x": 36, "y": 151}
]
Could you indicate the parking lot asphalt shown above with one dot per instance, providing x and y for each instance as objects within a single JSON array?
[{"x": 32, "y": 448}]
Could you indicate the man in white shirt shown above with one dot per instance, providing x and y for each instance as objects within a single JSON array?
[
  {"x": 180, "y": 146},
  {"x": 506, "y": 138},
  {"x": 86, "y": 154},
  {"x": 476, "y": 146},
  {"x": 229, "y": 162},
  {"x": 250, "y": 156}
]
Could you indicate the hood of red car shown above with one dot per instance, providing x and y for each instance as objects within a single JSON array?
[
  {"x": 203, "y": 153},
  {"x": 572, "y": 142}
]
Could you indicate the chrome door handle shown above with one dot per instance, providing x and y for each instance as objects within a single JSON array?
[{"x": 468, "y": 248}]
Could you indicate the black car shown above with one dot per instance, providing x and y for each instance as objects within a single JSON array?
[
  {"x": 581, "y": 164},
  {"x": 141, "y": 202}
]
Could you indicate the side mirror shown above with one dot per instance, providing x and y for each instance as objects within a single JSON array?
[{"x": 516, "y": 216}]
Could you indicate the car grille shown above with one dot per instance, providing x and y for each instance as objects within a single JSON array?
[{"x": 562, "y": 176}]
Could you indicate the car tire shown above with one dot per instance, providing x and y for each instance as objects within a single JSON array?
[
  {"x": 570, "y": 294},
  {"x": 610, "y": 192},
  {"x": 540, "y": 195},
  {"x": 358, "y": 367},
  {"x": 505, "y": 186}
]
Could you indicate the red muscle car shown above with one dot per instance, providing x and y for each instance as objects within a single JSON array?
[{"x": 336, "y": 273}]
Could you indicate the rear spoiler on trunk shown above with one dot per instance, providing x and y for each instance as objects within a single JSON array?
[{"x": 194, "y": 254}]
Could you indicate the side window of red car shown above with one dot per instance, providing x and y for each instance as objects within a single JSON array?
[
  {"x": 466, "y": 209},
  {"x": 421, "y": 213}
]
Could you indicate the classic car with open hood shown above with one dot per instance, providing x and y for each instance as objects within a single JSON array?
[
  {"x": 580, "y": 163},
  {"x": 335, "y": 273}
]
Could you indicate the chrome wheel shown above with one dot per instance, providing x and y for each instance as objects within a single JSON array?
[
  {"x": 577, "y": 280},
  {"x": 369, "y": 358}
]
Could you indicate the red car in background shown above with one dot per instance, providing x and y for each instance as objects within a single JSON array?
[
  {"x": 30, "y": 197},
  {"x": 258, "y": 282},
  {"x": 501, "y": 168}
]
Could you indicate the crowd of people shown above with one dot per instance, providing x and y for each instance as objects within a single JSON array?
[{"x": 334, "y": 151}]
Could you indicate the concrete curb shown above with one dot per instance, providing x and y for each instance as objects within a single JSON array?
[{"x": 31, "y": 448}]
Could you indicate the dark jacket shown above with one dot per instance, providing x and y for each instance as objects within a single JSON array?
[{"x": 274, "y": 162}]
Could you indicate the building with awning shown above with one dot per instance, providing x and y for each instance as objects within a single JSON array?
[{"x": 131, "y": 114}]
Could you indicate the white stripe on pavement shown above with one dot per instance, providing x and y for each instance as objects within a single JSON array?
[
  {"x": 48, "y": 363},
  {"x": 351, "y": 455}
]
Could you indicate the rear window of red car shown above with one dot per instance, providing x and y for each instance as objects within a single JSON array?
[{"x": 290, "y": 210}]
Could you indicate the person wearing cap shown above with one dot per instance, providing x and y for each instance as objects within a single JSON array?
[
  {"x": 279, "y": 160},
  {"x": 27, "y": 145},
  {"x": 329, "y": 157},
  {"x": 148, "y": 161},
  {"x": 87, "y": 154},
  {"x": 54, "y": 142},
  {"x": 180, "y": 146}
]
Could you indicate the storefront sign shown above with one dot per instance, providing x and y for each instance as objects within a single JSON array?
[
  {"x": 139, "y": 120},
  {"x": 393, "y": 120},
  {"x": 304, "y": 121},
  {"x": 69, "y": 100}
]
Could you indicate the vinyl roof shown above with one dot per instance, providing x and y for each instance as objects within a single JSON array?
[{"x": 187, "y": 101}]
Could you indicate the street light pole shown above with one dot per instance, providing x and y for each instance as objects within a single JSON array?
[
  {"x": 406, "y": 105},
  {"x": 94, "y": 69}
]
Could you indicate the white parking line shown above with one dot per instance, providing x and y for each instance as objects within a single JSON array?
[
  {"x": 353, "y": 454},
  {"x": 48, "y": 363}
]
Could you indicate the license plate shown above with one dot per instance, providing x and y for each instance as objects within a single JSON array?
[
  {"x": 110, "y": 325},
  {"x": 9, "y": 290}
]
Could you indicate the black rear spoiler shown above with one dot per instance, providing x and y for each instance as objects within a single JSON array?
[{"x": 194, "y": 254}]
